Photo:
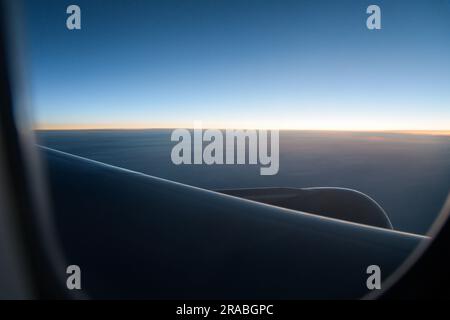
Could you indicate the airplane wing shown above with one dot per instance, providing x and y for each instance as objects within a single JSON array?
[{"x": 138, "y": 236}]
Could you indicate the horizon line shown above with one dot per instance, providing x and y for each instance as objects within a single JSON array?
[{"x": 437, "y": 132}]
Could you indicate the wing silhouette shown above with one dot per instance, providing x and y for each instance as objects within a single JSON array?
[{"x": 138, "y": 236}]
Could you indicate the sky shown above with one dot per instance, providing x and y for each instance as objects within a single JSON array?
[{"x": 310, "y": 65}]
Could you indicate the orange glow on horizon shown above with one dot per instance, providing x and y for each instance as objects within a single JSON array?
[{"x": 242, "y": 126}]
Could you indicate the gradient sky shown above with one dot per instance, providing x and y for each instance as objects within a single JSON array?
[{"x": 240, "y": 63}]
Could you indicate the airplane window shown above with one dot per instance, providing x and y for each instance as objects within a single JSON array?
[{"x": 237, "y": 149}]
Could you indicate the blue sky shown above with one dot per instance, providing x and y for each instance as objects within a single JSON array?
[{"x": 240, "y": 63}]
